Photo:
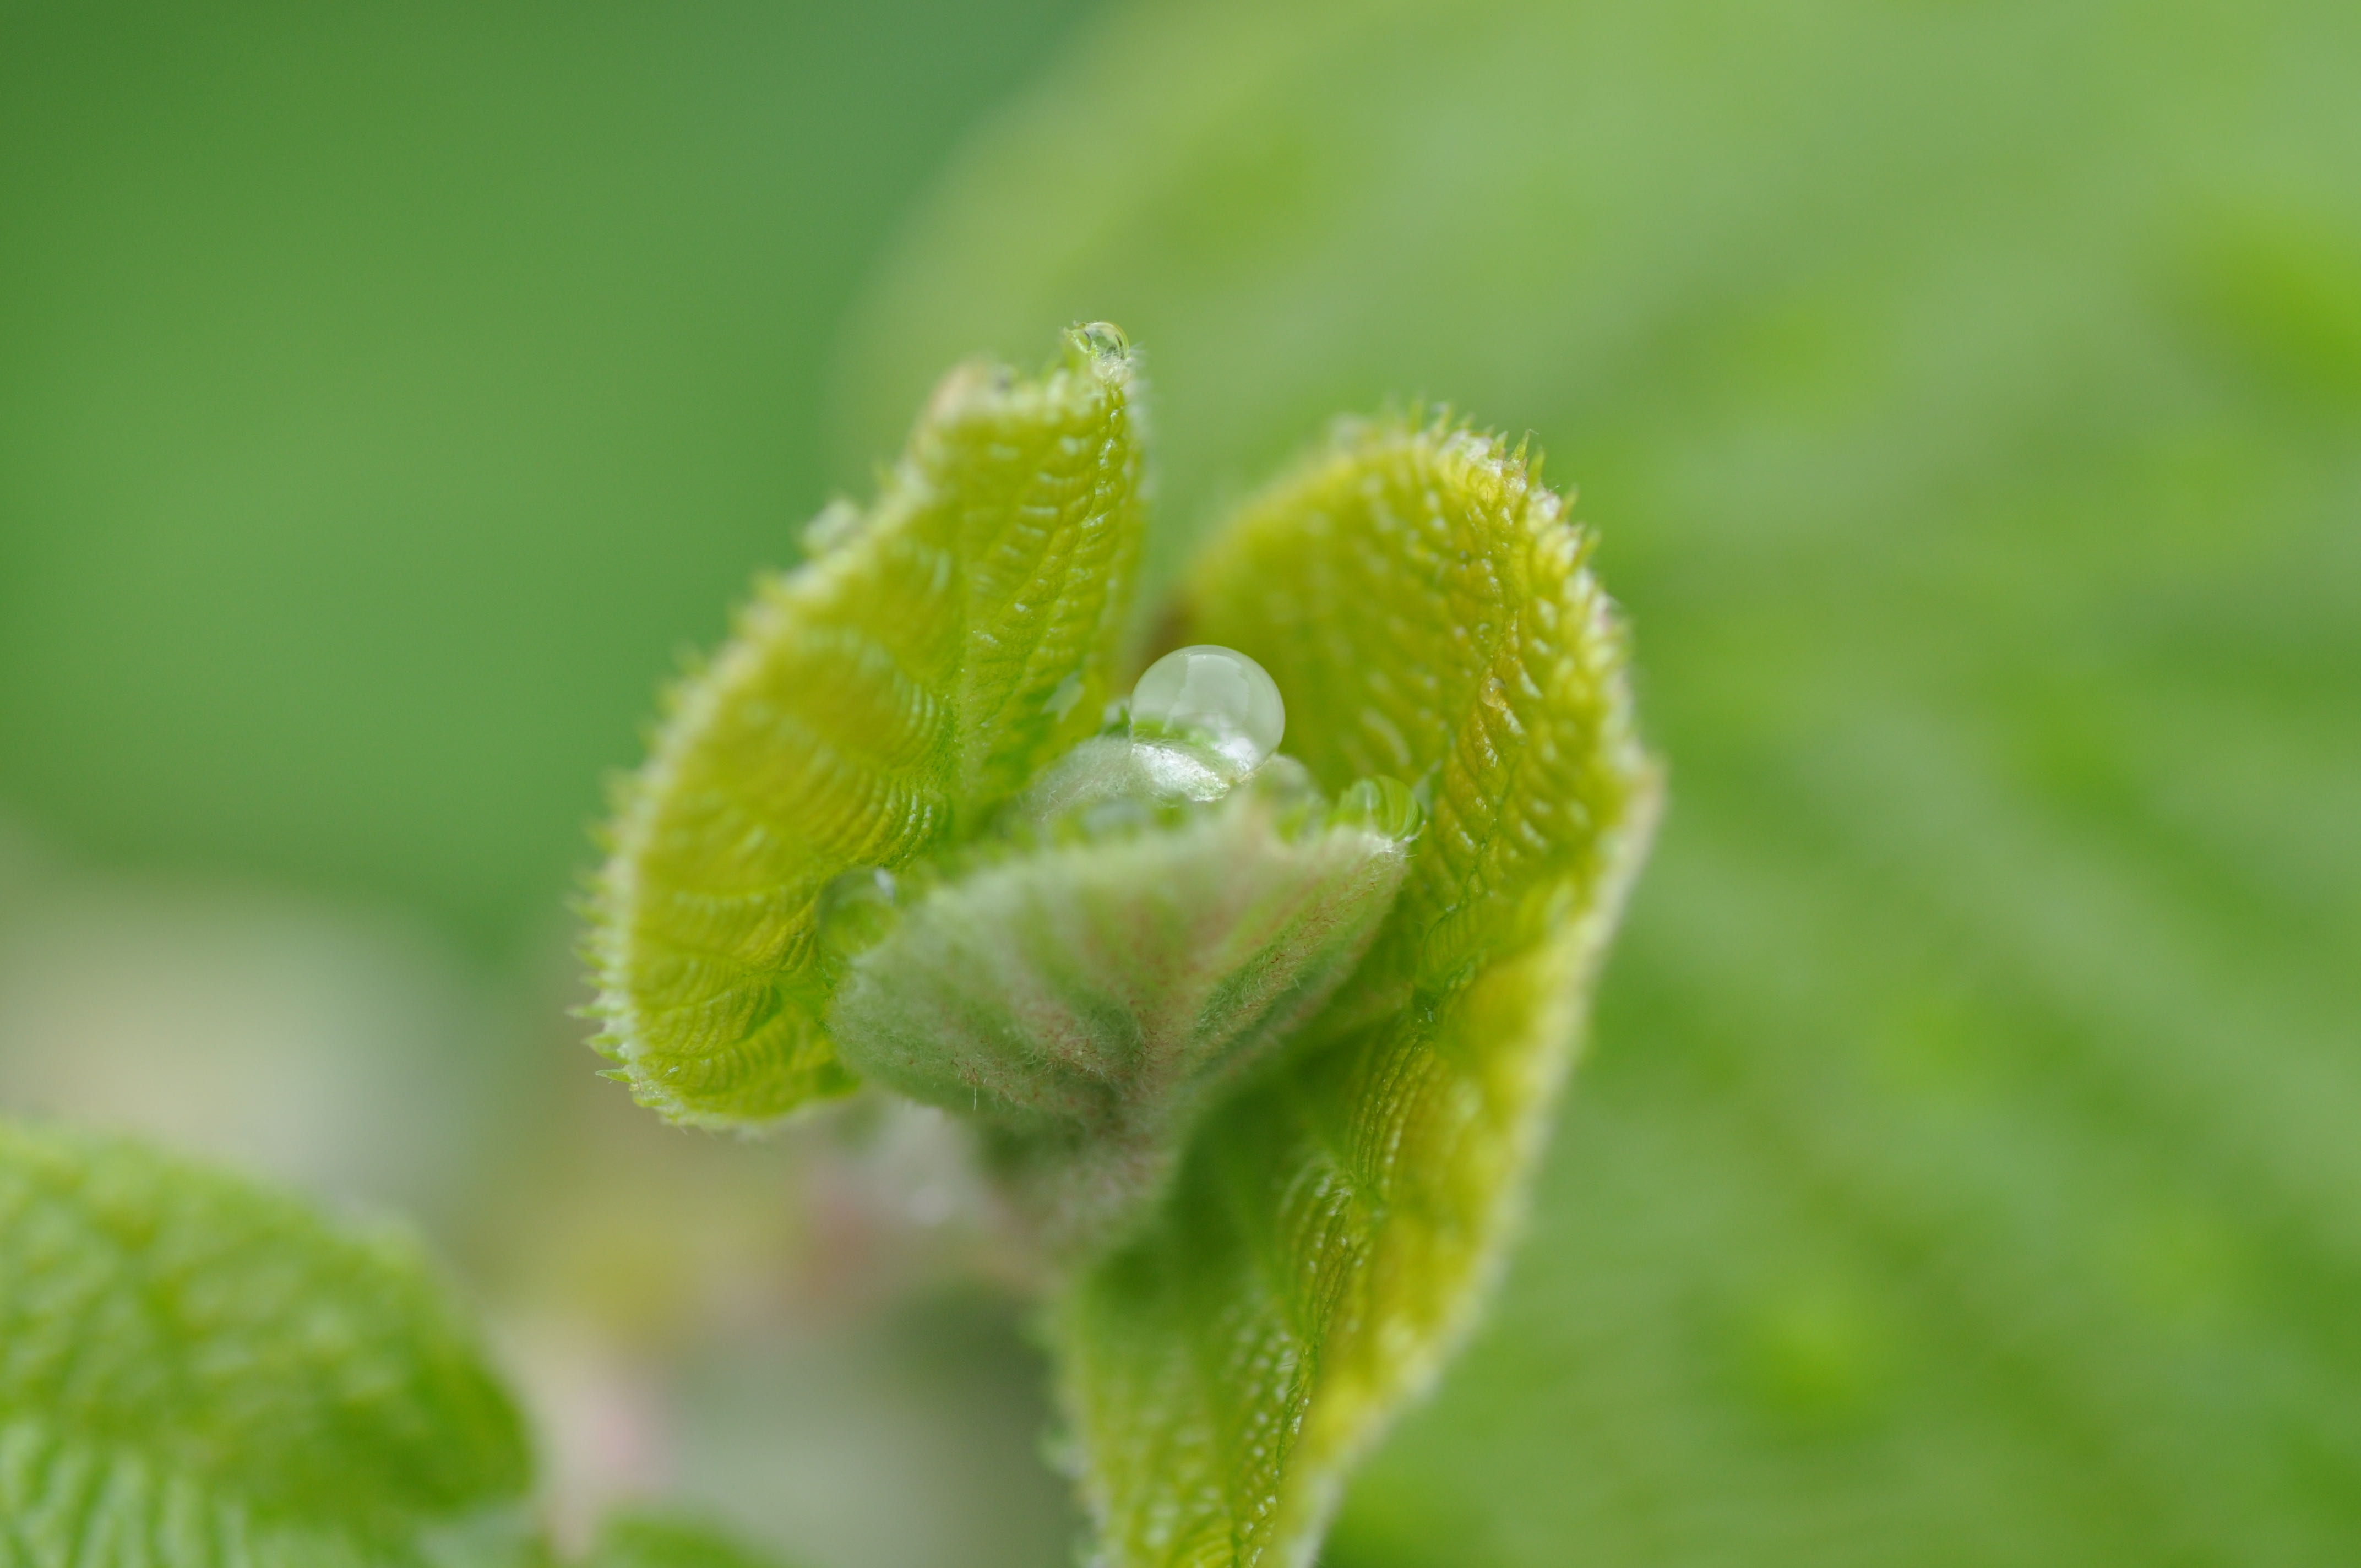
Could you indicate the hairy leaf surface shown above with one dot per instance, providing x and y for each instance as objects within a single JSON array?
[
  {"x": 881, "y": 700},
  {"x": 195, "y": 1372},
  {"x": 1422, "y": 602},
  {"x": 1086, "y": 997}
]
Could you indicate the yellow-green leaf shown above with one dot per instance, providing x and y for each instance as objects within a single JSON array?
[
  {"x": 195, "y": 1372},
  {"x": 880, "y": 700},
  {"x": 1423, "y": 603}
]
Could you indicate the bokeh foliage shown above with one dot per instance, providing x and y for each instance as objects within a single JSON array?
[
  {"x": 199, "y": 1373},
  {"x": 388, "y": 396},
  {"x": 1966, "y": 394},
  {"x": 1969, "y": 400}
]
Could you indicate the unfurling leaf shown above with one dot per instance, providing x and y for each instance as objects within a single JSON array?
[
  {"x": 1332, "y": 1228},
  {"x": 883, "y": 699},
  {"x": 1085, "y": 996},
  {"x": 195, "y": 1372},
  {"x": 1263, "y": 1043}
]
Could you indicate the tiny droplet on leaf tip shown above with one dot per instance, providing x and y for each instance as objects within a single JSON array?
[{"x": 1102, "y": 340}]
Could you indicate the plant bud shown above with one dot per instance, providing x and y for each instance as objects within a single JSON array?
[{"x": 1086, "y": 994}]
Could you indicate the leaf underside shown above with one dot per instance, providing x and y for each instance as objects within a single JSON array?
[
  {"x": 1086, "y": 998},
  {"x": 198, "y": 1374},
  {"x": 1423, "y": 603},
  {"x": 881, "y": 700}
]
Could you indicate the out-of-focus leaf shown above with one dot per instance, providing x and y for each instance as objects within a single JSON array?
[
  {"x": 1422, "y": 602},
  {"x": 882, "y": 700},
  {"x": 658, "y": 1540},
  {"x": 195, "y": 1372},
  {"x": 389, "y": 391},
  {"x": 1964, "y": 395}
]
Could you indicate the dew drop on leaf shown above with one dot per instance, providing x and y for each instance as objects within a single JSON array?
[
  {"x": 1214, "y": 696},
  {"x": 856, "y": 910},
  {"x": 1102, "y": 339},
  {"x": 1382, "y": 804}
]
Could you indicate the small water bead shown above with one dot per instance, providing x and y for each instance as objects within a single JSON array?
[
  {"x": 1101, "y": 340},
  {"x": 1381, "y": 805},
  {"x": 1215, "y": 697},
  {"x": 857, "y": 910}
]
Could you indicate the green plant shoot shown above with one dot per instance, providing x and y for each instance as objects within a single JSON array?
[{"x": 1259, "y": 987}]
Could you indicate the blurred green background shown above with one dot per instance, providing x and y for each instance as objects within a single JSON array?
[{"x": 1968, "y": 396}]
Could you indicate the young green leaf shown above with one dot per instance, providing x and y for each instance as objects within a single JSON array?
[
  {"x": 881, "y": 700},
  {"x": 1085, "y": 997},
  {"x": 1423, "y": 603},
  {"x": 195, "y": 1372}
]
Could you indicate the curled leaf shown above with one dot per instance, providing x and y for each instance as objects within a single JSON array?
[
  {"x": 195, "y": 1372},
  {"x": 1423, "y": 602},
  {"x": 882, "y": 700},
  {"x": 1273, "y": 1073},
  {"x": 1087, "y": 995}
]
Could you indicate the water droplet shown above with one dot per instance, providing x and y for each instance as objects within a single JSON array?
[
  {"x": 857, "y": 910},
  {"x": 1101, "y": 340},
  {"x": 1215, "y": 697},
  {"x": 1382, "y": 806}
]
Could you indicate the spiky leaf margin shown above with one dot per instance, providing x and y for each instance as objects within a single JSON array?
[
  {"x": 878, "y": 701},
  {"x": 1423, "y": 602}
]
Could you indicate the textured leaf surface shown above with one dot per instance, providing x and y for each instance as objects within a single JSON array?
[
  {"x": 1421, "y": 600},
  {"x": 1087, "y": 995},
  {"x": 198, "y": 1374},
  {"x": 880, "y": 699},
  {"x": 1967, "y": 398}
]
